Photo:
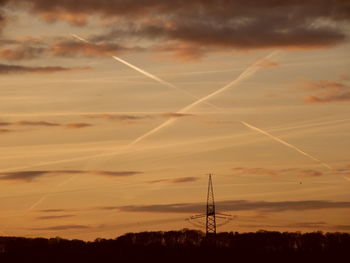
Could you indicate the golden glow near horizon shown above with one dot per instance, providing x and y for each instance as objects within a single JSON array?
[{"x": 94, "y": 147}]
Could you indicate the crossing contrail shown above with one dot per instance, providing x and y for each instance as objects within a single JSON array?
[
  {"x": 244, "y": 75},
  {"x": 285, "y": 143},
  {"x": 249, "y": 71},
  {"x": 147, "y": 74}
]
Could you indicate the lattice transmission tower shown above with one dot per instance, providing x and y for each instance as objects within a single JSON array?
[
  {"x": 210, "y": 225},
  {"x": 211, "y": 216}
]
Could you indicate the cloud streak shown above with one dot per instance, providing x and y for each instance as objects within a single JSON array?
[
  {"x": 36, "y": 123},
  {"x": 6, "y": 69},
  {"x": 29, "y": 176},
  {"x": 61, "y": 227},
  {"x": 278, "y": 172},
  {"x": 178, "y": 180},
  {"x": 119, "y": 117},
  {"x": 239, "y": 205},
  {"x": 53, "y": 217},
  {"x": 77, "y": 125}
]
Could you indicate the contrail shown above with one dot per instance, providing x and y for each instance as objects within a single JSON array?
[
  {"x": 147, "y": 74},
  {"x": 43, "y": 198},
  {"x": 80, "y": 38},
  {"x": 286, "y": 144},
  {"x": 249, "y": 71},
  {"x": 244, "y": 75}
]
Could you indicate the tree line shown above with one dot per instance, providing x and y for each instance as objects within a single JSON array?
[{"x": 183, "y": 246}]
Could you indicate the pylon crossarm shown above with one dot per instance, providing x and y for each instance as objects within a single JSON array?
[
  {"x": 222, "y": 214},
  {"x": 198, "y": 216}
]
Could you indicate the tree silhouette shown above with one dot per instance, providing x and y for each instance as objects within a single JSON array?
[{"x": 183, "y": 246}]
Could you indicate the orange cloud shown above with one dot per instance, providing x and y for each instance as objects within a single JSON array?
[
  {"x": 266, "y": 63},
  {"x": 20, "y": 53},
  {"x": 327, "y": 91},
  {"x": 78, "y": 125}
]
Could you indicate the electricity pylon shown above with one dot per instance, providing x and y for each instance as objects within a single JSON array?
[
  {"x": 211, "y": 215},
  {"x": 210, "y": 225}
]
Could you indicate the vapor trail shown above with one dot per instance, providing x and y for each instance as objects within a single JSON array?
[
  {"x": 286, "y": 144},
  {"x": 147, "y": 74},
  {"x": 244, "y": 75},
  {"x": 80, "y": 38},
  {"x": 43, "y": 198}
]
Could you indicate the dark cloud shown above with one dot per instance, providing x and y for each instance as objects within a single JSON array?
[
  {"x": 62, "y": 227},
  {"x": 240, "y": 25},
  {"x": 5, "y": 123},
  {"x": 77, "y": 125},
  {"x": 278, "y": 172},
  {"x": 200, "y": 26},
  {"x": 53, "y": 217},
  {"x": 176, "y": 180},
  {"x": 239, "y": 205},
  {"x": 6, "y": 69},
  {"x": 175, "y": 115},
  {"x": 335, "y": 9},
  {"x": 118, "y": 173},
  {"x": 128, "y": 118},
  {"x": 327, "y": 91},
  {"x": 36, "y": 123},
  {"x": 184, "y": 180},
  {"x": 29, "y": 176},
  {"x": 119, "y": 117}
]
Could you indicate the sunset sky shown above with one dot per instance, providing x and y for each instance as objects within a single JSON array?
[{"x": 255, "y": 92}]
